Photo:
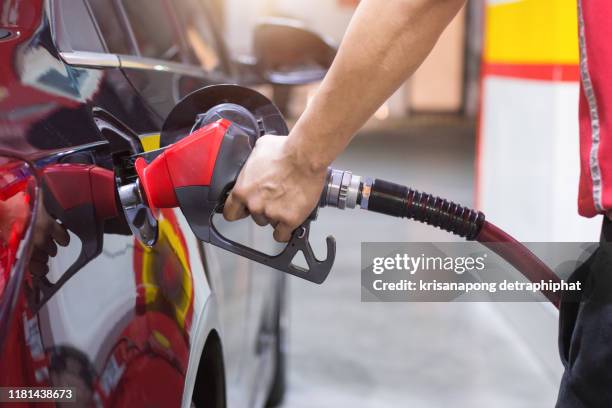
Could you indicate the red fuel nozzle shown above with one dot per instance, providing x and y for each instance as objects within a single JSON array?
[{"x": 189, "y": 162}]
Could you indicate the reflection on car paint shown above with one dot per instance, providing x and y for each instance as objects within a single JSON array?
[
  {"x": 151, "y": 351},
  {"x": 122, "y": 328},
  {"x": 165, "y": 274},
  {"x": 82, "y": 210},
  {"x": 44, "y": 72}
]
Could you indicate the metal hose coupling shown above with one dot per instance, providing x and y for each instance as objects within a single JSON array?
[{"x": 342, "y": 189}]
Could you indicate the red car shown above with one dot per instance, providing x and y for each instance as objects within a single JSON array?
[{"x": 85, "y": 306}]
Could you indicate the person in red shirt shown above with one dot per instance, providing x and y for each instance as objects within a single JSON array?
[
  {"x": 595, "y": 31},
  {"x": 384, "y": 44},
  {"x": 585, "y": 324}
]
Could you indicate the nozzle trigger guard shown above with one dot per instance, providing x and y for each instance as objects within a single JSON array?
[{"x": 317, "y": 269}]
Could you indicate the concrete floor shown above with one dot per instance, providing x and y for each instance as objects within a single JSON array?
[{"x": 344, "y": 353}]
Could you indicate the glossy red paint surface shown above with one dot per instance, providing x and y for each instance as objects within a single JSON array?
[{"x": 122, "y": 293}]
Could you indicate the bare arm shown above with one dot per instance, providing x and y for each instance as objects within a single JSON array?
[{"x": 385, "y": 43}]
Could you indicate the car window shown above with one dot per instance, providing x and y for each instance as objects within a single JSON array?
[
  {"x": 199, "y": 34},
  {"x": 74, "y": 29},
  {"x": 153, "y": 29},
  {"x": 109, "y": 23}
]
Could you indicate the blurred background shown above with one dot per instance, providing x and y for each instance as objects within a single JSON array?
[{"x": 489, "y": 120}]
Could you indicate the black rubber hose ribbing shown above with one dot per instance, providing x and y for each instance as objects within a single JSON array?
[{"x": 400, "y": 201}]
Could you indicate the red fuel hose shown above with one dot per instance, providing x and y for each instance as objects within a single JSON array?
[
  {"x": 518, "y": 256},
  {"x": 400, "y": 201}
]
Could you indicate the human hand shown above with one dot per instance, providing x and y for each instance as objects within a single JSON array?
[{"x": 276, "y": 186}]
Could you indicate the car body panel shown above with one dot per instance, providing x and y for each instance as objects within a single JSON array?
[{"x": 128, "y": 328}]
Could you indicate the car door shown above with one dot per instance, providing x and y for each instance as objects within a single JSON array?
[
  {"x": 160, "y": 62},
  {"x": 107, "y": 315}
]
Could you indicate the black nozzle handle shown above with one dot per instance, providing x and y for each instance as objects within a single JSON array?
[{"x": 317, "y": 271}]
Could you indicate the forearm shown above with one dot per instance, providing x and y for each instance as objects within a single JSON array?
[{"x": 385, "y": 43}]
